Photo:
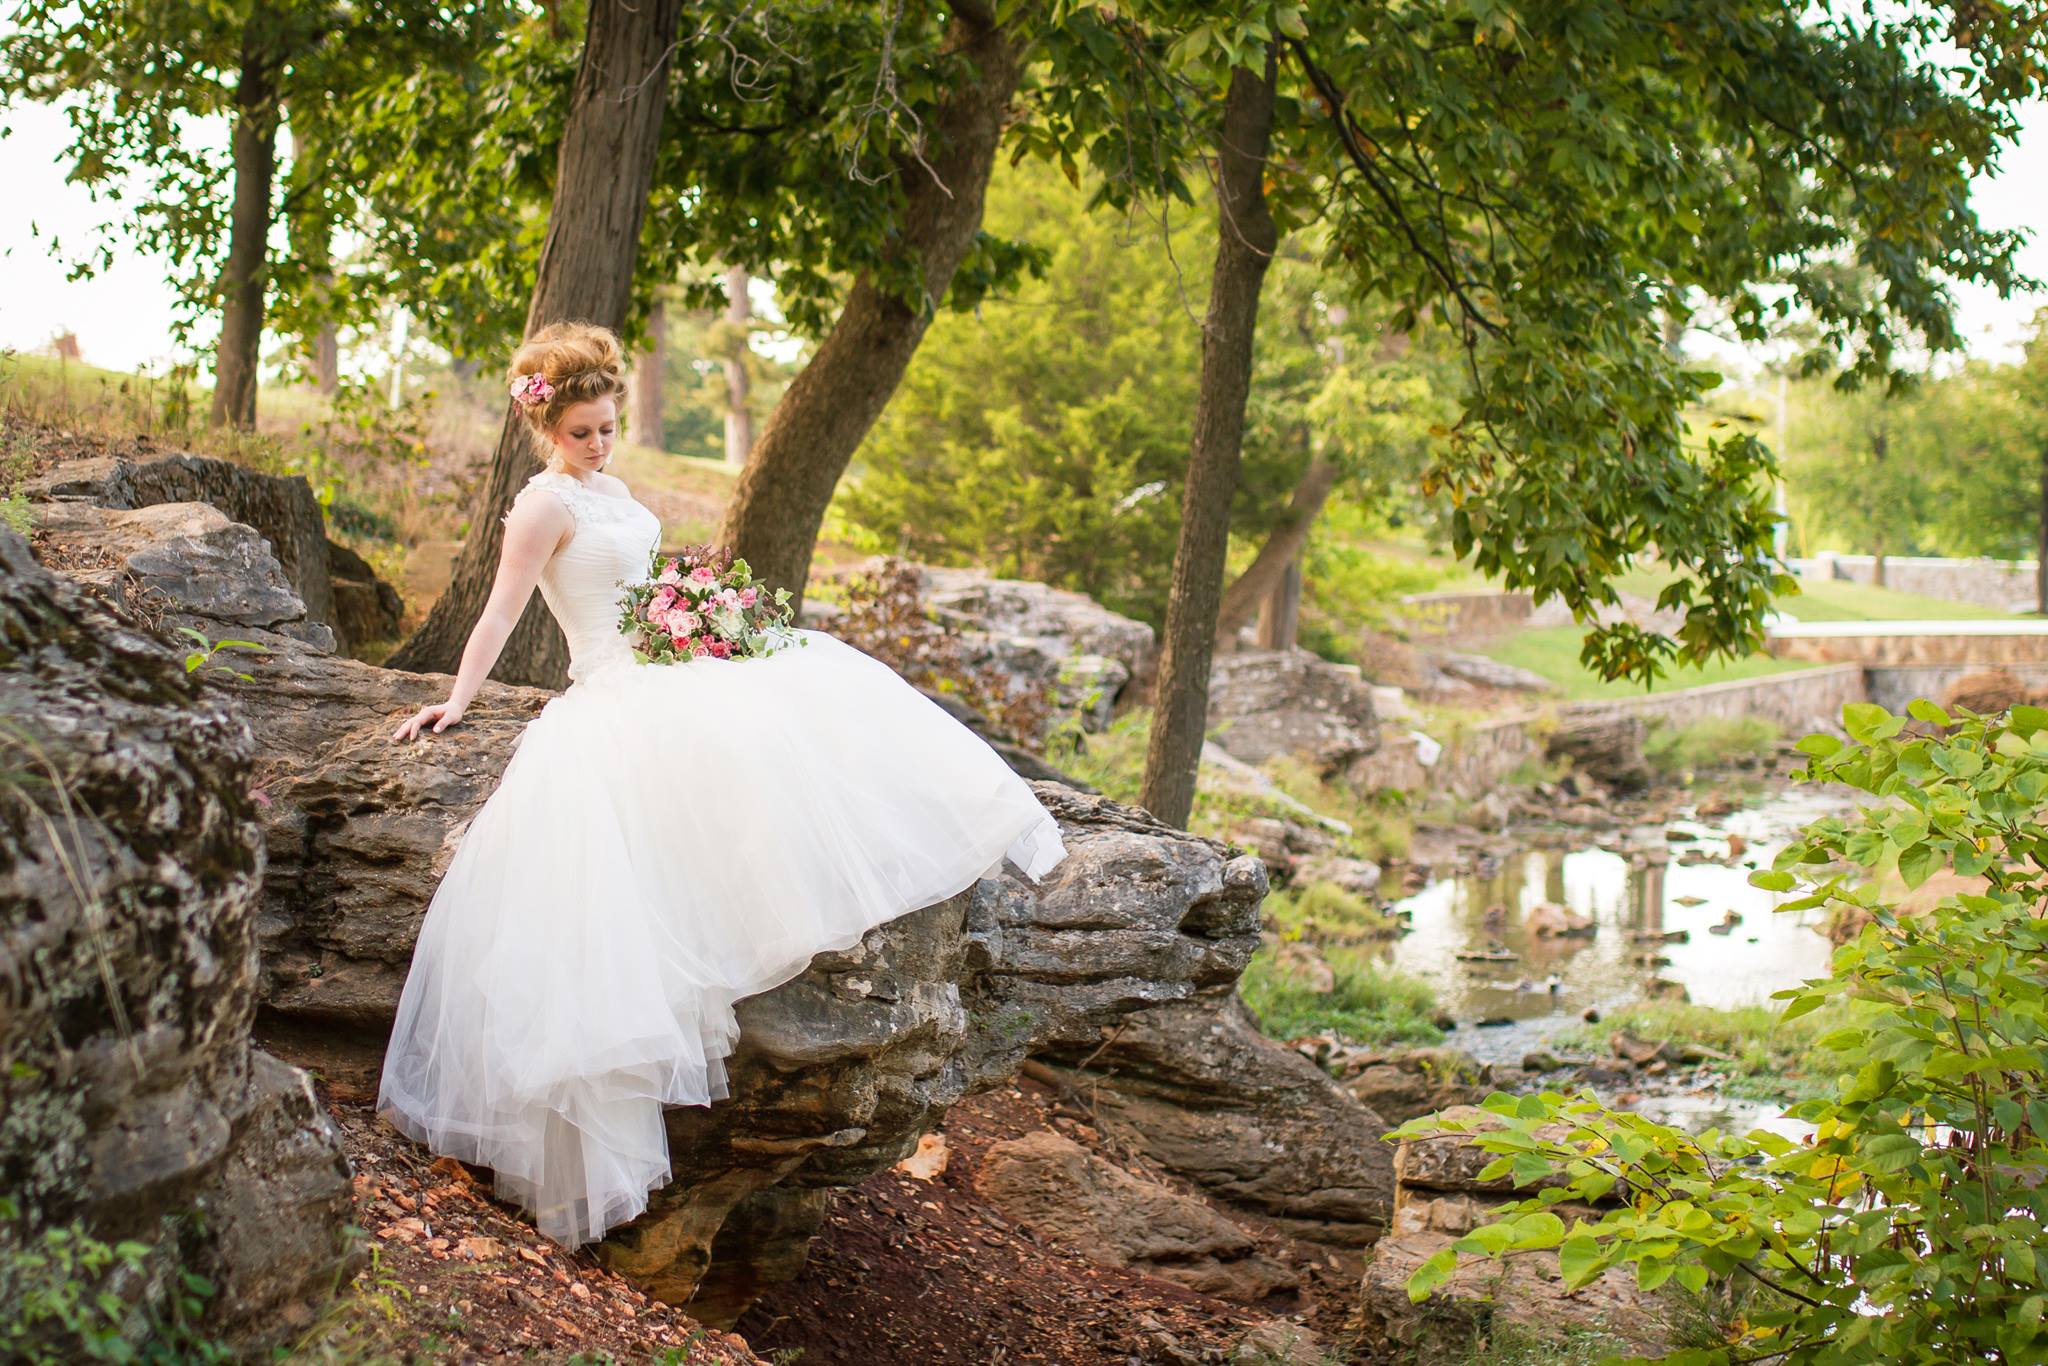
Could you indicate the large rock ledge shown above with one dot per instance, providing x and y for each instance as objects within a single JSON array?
[{"x": 1127, "y": 954}]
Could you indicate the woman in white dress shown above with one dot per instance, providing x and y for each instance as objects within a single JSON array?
[{"x": 666, "y": 839}]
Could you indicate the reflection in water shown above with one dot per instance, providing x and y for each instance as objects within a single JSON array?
[{"x": 1632, "y": 893}]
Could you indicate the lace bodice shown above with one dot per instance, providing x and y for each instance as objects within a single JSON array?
[{"x": 613, "y": 539}]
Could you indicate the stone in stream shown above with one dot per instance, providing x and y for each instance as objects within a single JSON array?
[{"x": 1548, "y": 920}]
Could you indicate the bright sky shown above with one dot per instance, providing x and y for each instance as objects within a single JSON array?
[{"x": 122, "y": 317}]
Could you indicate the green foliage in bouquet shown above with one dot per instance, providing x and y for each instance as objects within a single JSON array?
[{"x": 1909, "y": 1226}]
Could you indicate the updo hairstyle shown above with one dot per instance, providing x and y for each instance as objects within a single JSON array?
[{"x": 582, "y": 361}]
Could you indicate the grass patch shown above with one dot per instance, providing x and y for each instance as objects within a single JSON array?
[
  {"x": 1553, "y": 652},
  {"x": 1323, "y": 913},
  {"x": 1771, "y": 1058},
  {"x": 1713, "y": 742},
  {"x": 1369, "y": 1004}
]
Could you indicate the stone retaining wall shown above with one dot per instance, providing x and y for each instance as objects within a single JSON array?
[
  {"x": 1884, "y": 645},
  {"x": 1475, "y": 761},
  {"x": 1466, "y": 616},
  {"x": 2004, "y": 584},
  {"x": 1893, "y": 688},
  {"x": 1796, "y": 702}
]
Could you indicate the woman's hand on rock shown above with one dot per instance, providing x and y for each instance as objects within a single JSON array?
[{"x": 441, "y": 715}]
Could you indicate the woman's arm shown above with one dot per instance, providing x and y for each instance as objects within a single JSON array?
[{"x": 534, "y": 529}]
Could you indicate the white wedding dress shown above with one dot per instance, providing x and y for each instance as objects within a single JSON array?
[{"x": 666, "y": 839}]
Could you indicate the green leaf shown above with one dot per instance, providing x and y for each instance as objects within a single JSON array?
[
  {"x": 1861, "y": 720},
  {"x": 1772, "y": 880},
  {"x": 2027, "y": 720},
  {"x": 1919, "y": 863},
  {"x": 1920, "y": 709},
  {"x": 1581, "y": 1259},
  {"x": 1431, "y": 1274},
  {"x": 1889, "y": 1152}
]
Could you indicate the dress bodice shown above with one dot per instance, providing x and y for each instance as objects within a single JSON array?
[{"x": 580, "y": 583}]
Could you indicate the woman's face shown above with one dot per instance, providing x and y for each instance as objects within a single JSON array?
[{"x": 585, "y": 434}]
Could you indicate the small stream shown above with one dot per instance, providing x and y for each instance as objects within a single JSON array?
[{"x": 1635, "y": 884}]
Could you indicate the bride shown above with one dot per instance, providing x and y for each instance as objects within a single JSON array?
[{"x": 666, "y": 839}]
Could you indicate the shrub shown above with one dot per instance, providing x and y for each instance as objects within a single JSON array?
[{"x": 1909, "y": 1227}]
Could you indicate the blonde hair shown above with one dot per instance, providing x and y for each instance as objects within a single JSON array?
[{"x": 582, "y": 361}]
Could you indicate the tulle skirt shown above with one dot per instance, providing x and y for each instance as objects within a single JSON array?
[{"x": 665, "y": 840}]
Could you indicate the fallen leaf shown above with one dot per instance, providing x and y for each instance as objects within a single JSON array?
[{"x": 929, "y": 1159}]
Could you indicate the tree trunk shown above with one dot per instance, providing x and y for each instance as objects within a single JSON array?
[
  {"x": 2041, "y": 543},
  {"x": 739, "y": 419},
  {"x": 254, "y": 147},
  {"x": 1280, "y": 613},
  {"x": 317, "y": 252},
  {"x": 327, "y": 359},
  {"x": 650, "y": 381},
  {"x": 602, "y": 176},
  {"x": 1269, "y": 568},
  {"x": 1247, "y": 240},
  {"x": 775, "y": 514}
]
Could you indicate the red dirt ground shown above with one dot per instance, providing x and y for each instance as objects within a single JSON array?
[{"x": 909, "y": 1272}]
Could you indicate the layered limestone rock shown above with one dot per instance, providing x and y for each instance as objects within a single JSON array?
[
  {"x": 1272, "y": 702},
  {"x": 1196, "y": 1088},
  {"x": 336, "y": 587},
  {"x": 131, "y": 1101},
  {"x": 1438, "y": 1199},
  {"x": 1040, "y": 634},
  {"x": 1065, "y": 1193},
  {"x": 1119, "y": 969}
]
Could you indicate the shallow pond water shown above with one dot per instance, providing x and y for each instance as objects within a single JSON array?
[{"x": 1635, "y": 885}]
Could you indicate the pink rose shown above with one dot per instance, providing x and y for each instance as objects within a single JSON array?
[
  {"x": 704, "y": 573},
  {"x": 747, "y": 597},
  {"x": 670, "y": 574},
  {"x": 721, "y": 649},
  {"x": 664, "y": 598},
  {"x": 689, "y": 623}
]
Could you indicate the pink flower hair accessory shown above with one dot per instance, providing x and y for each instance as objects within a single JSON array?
[{"x": 532, "y": 390}]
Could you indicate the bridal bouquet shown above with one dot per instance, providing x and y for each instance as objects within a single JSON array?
[{"x": 703, "y": 601}]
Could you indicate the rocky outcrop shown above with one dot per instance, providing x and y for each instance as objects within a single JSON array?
[
  {"x": 180, "y": 564},
  {"x": 1042, "y": 635},
  {"x": 1401, "y": 1084},
  {"x": 840, "y": 1070},
  {"x": 1064, "y": 1192},
  {"x": 336, "y": 587},
  {"x": 131, "y": 1101},
  {"x": 1440, "y": 1198},
  {"x": 1492, "y": 673},
  {"x": 1196, "y": 1088},
  {"x": 1272, "y": 702},
  {"x": 366, "y": 608}
]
